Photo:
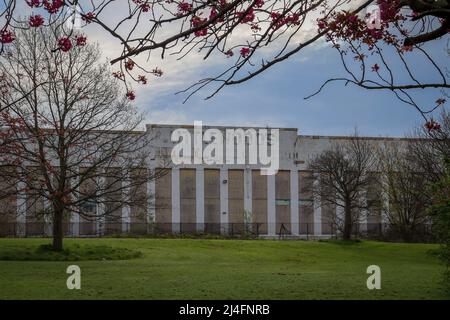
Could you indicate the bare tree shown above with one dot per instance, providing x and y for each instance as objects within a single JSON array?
[
  {"x": 73, "y": 140},
  {"x": 346, "y": 172},
  {"x": 429, "y": 149},
  {"x": 404, "y": 184},
  {"x": 375, "y": 47}
]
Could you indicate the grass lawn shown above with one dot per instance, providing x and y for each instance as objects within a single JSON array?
[{"x": 230, "y": 269}]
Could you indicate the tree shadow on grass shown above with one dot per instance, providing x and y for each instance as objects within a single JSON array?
[{"x": 342, "y": 242}]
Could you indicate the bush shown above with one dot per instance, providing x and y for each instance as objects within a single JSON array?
[{"x": 440, "y": 213}]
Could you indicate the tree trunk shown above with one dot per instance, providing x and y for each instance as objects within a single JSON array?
[
  {"x": 347, "y": 222},
  {"x": 58, "y": 233}
]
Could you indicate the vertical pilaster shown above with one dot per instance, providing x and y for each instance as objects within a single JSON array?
[
  {"x": 151, "y": 207},
  {"x": 294, "y": 202},
  {"x": 101, "y": 209},
  {"x": 21, "y": 202},
  {"x": 126, "y": 211},
  {"x": 200, "y": 198},
  {"x": 339, "y": 214},
  {"x": 224, "y": 200},
  {"x": 74, "y": 219},
  {"x": 317, "y": 208},
  {"x": 48, "y": 222},
  {"x": 364, "y": 212},
  {"x": 271, "y": 210},
  {"x": 248, "y": 197},
  {"x": 176, "y": 218},
  {"x": 385, "y": 200}
]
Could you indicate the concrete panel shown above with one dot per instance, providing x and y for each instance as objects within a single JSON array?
[
  {"x": 374, "y": 200},
  {"x": 212, "y": 200},
  {"x": 259, "y": 201},
  {"x": 138, "y": 198},
  {"x": 282, "y": 202},
  {"x": 236, "y": 201},
  {"x": 163, "y": 200},
  {"x": 305, "y": 197},
  {"x": 113, "y": 207},
  {"x": 328, "y": 211},
  {"x": 88, "y": 226},
  {"x": 188, "y": 200},
  {"x": 8, "y": 202},
  {"x": 35, "y": 207}
]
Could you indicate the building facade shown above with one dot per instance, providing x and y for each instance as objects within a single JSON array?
[{"x": 224, "y": 198}]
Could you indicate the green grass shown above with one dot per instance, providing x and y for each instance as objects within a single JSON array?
[{"x": 230, "y": 269}]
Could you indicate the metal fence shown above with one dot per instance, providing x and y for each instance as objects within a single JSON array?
[{"x": 376, "y": 231}]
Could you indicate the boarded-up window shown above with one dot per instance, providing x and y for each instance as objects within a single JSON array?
[
  {"x": 8, "y": 201},
  {"x": 139, "y": 203},
  {"x": 88, "y": 206},
  {"x": 113, "y": 199},
  {"x": 306, "y": 204},
  {"x": 35, "y": 222},
  {"x": 163, "y": 200},
  {"x": 187, "y": 200},
  {"x": 212, "y": 201},
  {"x": 283, "y": 202},
  {"x": 259, "y": 201},
  {"x": 236, "y": 201}
]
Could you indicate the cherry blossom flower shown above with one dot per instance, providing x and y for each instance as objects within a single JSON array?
[
  {"x": 36, "y": 21},
  {"x": 245, "y": 52},
  {"x": 81, "y": 40},
  {"x": 129, "y": 65},
  {"x": 142, "y": 79},
  {"x": 131, "y": 95},
  {"x": 6, "y": 36},
  {"x": 65, "y": 44}
]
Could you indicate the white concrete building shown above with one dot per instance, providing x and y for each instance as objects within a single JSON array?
[{"x": 223, "y": 198}]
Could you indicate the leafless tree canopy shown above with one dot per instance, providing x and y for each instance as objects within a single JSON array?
[
  {"x": 404, "y": 184},
  {"x": 429, "y": 149},
  {"x": 346, "y": 172},
  {"x": 68, "y": 135}
]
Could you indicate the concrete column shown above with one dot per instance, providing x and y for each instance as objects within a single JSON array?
[
  {"x": 21, "y": 203},
  {"x": 200, "y": 198},
  {"x": 364, "y": 213},
  {"x": 317, "y": 208},
  {"x": 294, "y": 202},
  {"x": 75, "y": 224},
  {"x": 101, "y": 219},
  {"x": 126, "y": 211},
  {"x": 385, "y": 199},
  {"x": 151, "y": 208},
  {"x": 224, "y": 200},
  {"x": 271, "y": 210},
  {"x": 248, "y": 197},
  {"x": 48, "y": 229},
  {"x": 176, "y": 219}
]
